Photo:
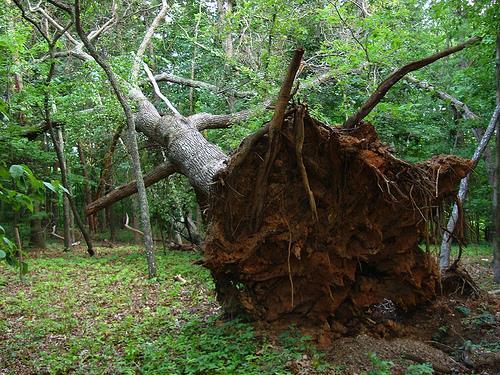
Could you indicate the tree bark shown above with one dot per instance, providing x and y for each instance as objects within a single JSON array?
[
  {"x": 87, "y": 194},
  {"x": 66, "y": 206},
  {"x": 189, "y": 151},
  {"x": 444, "y": 255},
  {"x": 496, "y": 186},
  {"x": 132, "y": 143},
  {"x": 37, "y": 236}
]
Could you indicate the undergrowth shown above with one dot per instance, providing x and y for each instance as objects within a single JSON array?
[{"x": 94, "y": 316}]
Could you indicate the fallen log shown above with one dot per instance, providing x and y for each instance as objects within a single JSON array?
[{"x": 160, "y": 172}]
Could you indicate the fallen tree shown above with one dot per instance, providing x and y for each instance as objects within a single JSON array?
[
  {"x": 307, "y": 223},
  {"x": 372, "y": 211}
]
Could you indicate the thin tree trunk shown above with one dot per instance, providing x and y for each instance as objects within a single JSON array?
[
  {"x": 66, "y": 208},
  {"x": 132, "y": 143},
  {"x": 193, "y": 60},
  {"x": 496, "y": 186},
  {"x": 37, "y": 236},
  {"x": 444, "y": 256},
  {"x": 86, "y": 188},
  {"x": 65, "y": 183},
  {"x": 224, "y": 7},
  {"x": 110, "y": 217},
  {"x": 133, "y": 217}
]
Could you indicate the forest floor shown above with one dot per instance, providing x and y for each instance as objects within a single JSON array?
[{"x": 73, "y": 314}]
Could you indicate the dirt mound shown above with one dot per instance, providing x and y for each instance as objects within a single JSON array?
[
  {"x": 338, "y": 230},
  {"x": 352, "y": 354}
]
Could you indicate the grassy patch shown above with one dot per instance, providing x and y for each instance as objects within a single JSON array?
[{"x": 82, "y": 315}]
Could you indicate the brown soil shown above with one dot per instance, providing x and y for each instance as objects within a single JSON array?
[{"x": 286, "y": 266}]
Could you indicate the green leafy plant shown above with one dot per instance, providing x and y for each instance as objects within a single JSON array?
[
  {"x": 381, "y": 367},
  {"x": 19, "y": 190},
  {"x": 420, "y": 369}
]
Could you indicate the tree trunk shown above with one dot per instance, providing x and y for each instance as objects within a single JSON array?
[
  {"x": 87, "y": 194},
  {"x": 110, "y": 218},
  {"x": 65, "y": 183},
  {"x": 133, "y": 218},
  {"x": 37, "y": 237},
  {"x": 444, "y": 255},
  {"x": 193, "y": 155},
  {"x": 158, "y": 173},
  {"x": 496, "y": 187},
  {"x": 66, "y": 208}
]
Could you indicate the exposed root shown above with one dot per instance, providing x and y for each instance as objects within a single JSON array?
[
  {"x": 372, "y": 212},
  {"x": 299, "y": 143},
  {"x": 457, "y": 281}
]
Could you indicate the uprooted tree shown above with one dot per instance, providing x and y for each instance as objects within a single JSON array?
[{"x": 307, "y": 222}]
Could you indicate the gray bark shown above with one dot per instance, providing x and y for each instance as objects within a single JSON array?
[
  {"x": 66, "y": 207},
  {"x": 444, "y": 256},
  {"x": 496, "y": 186},
  {"x": 132, "y": 141},
  {"x": 193, "y": 156}
]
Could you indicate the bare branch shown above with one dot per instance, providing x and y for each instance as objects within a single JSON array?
[
  {"x": 395, "y": 77},
  {"x": 53, "y": 22},
  {"x": 158, "y": 173},
  {"x": 167, "y": 77},
  {"x": 462, "y": 107},
  {"x": 24, "y": 14},
  {"x": 145, "y": 41},
  {"x": 127, "y": 226},
  {"x": 105, "y": 27},
  {"x": 158, "y": 92}
]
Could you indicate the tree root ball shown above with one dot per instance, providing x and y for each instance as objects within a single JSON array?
[{"x": 290, "y": 266}]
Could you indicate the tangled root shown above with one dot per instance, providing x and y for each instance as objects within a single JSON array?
[{"x": 334, "y": 237}]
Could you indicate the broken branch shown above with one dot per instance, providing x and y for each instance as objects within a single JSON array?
[
  {"x": 395, "y": 77},
  {"x": 147, "y": 38},
  {"x": 131, "y": 228},
  {"x": 160, "y": 172},
  {"x": 158, "y": 92}
]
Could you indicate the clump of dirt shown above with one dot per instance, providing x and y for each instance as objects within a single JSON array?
[{"x": 333, "y": 238}]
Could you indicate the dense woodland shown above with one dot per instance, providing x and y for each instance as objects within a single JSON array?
[{"x": 196, "y": 79}]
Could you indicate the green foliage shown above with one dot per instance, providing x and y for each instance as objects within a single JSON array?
[
  {"x": 19, "y": 190},
  {"x": 463, "y": 310},
  {"x": 381, "y": 367},
  {"x": 420, "y": 369},
  {"x": 101, "y": 315}
]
